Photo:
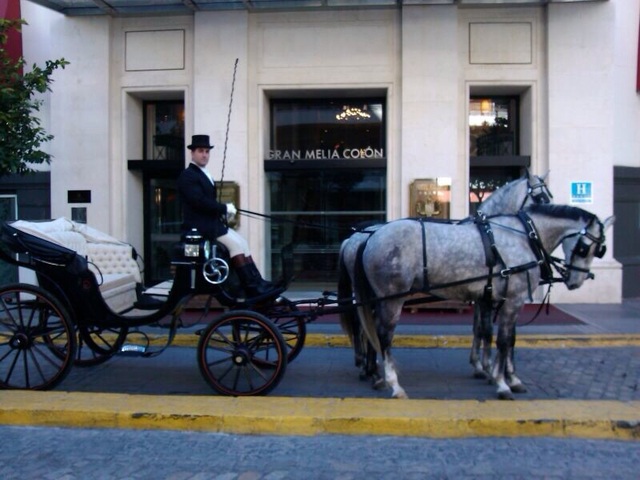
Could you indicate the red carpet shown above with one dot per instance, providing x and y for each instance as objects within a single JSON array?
[
  {"x": 555, "y": 316},
  {"x": 434, "y": 316}
]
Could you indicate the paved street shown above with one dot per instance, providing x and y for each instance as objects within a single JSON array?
[
  {"x": 54, "y": 453},
  {"x": 599, "y": 373},
  {"x": 167, "y": 409},
  {"x": 436, "y": 373}
]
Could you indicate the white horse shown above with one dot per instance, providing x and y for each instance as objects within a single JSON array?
[
  {"x": 510, "y": 198},
  {"x": 408, "y": 256}
]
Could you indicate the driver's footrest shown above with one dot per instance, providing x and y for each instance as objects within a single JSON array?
[
  {"x": 270, "y": 295},
  {"x": 132, "y": 350},
  {"x": 147, "y": 302}
]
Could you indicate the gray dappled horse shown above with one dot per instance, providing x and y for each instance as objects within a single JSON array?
[
  {"x": 509, "y": 198},
  {"x": 408, "y": 256}
]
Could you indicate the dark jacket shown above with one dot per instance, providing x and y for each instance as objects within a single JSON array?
[{"x": 200, "y": 206}]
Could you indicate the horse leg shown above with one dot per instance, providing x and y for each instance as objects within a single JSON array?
[
  {"x": 515, "y": 384},
  {"x": 487, "y": 336},
  {"x": 366, "y": 355},
  {"x": 369, "y": 364},
  {"x": 389, "y": 310},
  {"x": 474, "y": 356},
  {"x": 504, "y": 367},
  {"x": 482, "y": 335},
  {"x": 371, "y": 367},
  {"x": 349, "y": 318},
  {"x": 503, "y": 344},
  {"x": 359, "y": 343},
  {"x": 391, "y": 376}
]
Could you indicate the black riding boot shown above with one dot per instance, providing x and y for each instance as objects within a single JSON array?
[{"x": 252, "y": 282}]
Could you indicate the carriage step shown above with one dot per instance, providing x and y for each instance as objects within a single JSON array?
[
  {"x": 133, "y": 350},
  {"x": 147, "y": 302}
]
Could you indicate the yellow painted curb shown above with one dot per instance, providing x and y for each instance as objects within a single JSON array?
[
  {"x": 311, "y": 416},
  {"x": 446, "y": 341}
]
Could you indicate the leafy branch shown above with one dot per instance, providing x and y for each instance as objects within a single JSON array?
[{"x": 21, "y": 132}]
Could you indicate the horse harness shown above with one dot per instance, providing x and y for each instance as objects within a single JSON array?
[
  {"x": 546, "y": 262},
  {"x": 493, "y": 258}
]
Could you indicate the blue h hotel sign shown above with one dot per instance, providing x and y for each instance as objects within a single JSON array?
[{"x": 581, "y": 192}]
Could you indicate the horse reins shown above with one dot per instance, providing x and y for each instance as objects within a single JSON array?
[{"x": 297, "y": 222}]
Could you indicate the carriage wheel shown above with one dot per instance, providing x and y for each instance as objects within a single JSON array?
[
  {"x": 242, "y": 353},
  {"x": 37, "y": 339},
  {"x": 291, "y": 324},
  {"x": 97, "y": 345}
]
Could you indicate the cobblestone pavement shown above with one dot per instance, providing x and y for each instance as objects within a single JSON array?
[
  {"x": 69, "y": 454},
  {"x": 439, "y": 373},
  {"x": 608, "y": 373}
]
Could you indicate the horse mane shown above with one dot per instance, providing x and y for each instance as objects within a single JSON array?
[
  {"x": 498, "y": 194},
  {"x": 560, "y": 211}
]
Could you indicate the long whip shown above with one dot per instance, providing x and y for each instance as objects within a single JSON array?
[{"x": 226, "y": 135}]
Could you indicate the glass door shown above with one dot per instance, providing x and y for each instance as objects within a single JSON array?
[
  {"x": 314, "y": 211},
  {"x": 326, "y": 173},
  {"x": 164, "y": 157},
  {"x": 163, "y": 226}
]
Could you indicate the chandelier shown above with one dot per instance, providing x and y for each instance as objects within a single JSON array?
[{"x": 353, "y": 113}]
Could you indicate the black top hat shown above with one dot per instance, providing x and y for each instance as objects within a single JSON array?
[{"x": 199, "y": 141}]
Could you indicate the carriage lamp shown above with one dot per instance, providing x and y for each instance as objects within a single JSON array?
[{"x": 195, "y": 246}]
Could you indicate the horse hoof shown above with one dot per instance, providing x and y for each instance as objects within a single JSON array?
[
  {"x": 400, "y": 395},
  {"x": 480, "y": 375},
  {"x": 520, "y": 388},
  {"x": 508, "y": 395},
  {"x": 379, "y": 384}
]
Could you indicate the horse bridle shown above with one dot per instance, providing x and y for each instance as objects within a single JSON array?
[
  {"x": 581, "y": 249},
  {"x": 544, "y": 196}
]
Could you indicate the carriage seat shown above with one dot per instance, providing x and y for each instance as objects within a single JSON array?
[{"x": 111, "y": 260}]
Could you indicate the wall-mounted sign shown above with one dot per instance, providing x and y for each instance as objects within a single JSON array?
[
  {"x": 230, "y": 193},
  {"x": 79, "y": 214},
  {"x": 581, "y": 193},
  {"x": 79, "y": 196},
  {"x": 430, "y": 197}
]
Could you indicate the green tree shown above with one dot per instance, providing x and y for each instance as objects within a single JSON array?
[{"x": 20, "y": 131}]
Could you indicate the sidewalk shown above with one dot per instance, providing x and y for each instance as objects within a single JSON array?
[{"x": 574, "y": 391}]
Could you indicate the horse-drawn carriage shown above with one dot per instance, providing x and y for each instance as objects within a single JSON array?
[{"x": 64, "y": 321}]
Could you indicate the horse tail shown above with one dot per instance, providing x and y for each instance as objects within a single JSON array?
[
  {"x": 366, "y": 296},
  {"x": 348, "y": 319}
]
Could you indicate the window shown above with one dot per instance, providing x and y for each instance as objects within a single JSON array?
[
  {"x": 492, "y": 125},
  {"x": 347, "y": 129},
  {"x": 494, "y": 145},
  {"x": 326, "y": 172},
  {"x": 164, "y": 130}
]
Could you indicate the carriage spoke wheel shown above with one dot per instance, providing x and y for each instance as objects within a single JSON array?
[
  {"x": 97, "y": 345},
  {"x": 37, "y": 339},
  {"x": 242, "y": 353},
  {"x": 291, "y": 324}
]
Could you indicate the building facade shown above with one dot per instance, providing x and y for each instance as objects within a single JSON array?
[{"x": 322, "y": 118}]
